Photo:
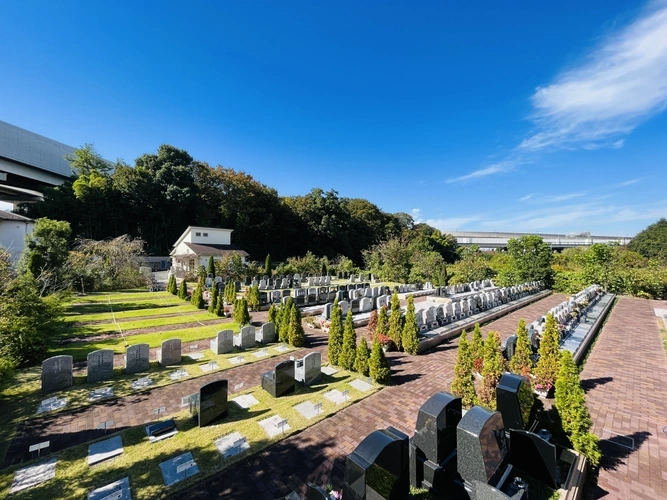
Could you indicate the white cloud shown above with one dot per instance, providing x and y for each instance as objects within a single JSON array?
[
  {"x": 629, "y": 182},
  {"x": 496, "y": 168},
  {"x": 526, "y": 198},
  {"x": 620, "y": 84}
]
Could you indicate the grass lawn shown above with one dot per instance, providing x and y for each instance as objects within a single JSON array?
[
  {"x": 97, "y": 297},
  {"x": 140, "y": 460},
  {"x": 77, "y": 310},
  {"x": 155, "y": 309},
  {"x": 80, "y": 350},
  {"x": 137, "y": 323}
]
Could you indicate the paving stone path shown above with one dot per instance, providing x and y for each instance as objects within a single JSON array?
[
  {"x": 318, "y": 454},
  {"x": 625, "y": 378}
]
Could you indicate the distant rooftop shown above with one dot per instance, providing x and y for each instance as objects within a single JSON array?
[
  {"x": 34, "y": 150},
  {"x": 4, "y": 215}
]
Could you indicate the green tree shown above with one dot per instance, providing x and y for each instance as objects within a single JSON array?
[
  {"x": 213, "y": 303},
  {"x": 378, "y": 366},
  {"x": 472, "y": 266},
  {"x": 410, "y": 337},
  {"x": 197, "y": 299},
  {"x": 273, "y": 313},
  {"x": 267, "y": 265},
  {"x": 172, "y": 288},
  {"x": 46, "y": 253},
  {"x": 323, "y": 270},
  {"x": 211, "y": 266},
  {"x": 183, "y": 290},
  {"x": 521, "y": 363},
  {"x": 531, "y": 259},
  {"x": 220, "y": 306},
  {"x": 241, "y": 314},
  {"x": 494, "y": 366},
  {"x": 253, "y": 298},
  {"x": 362, "y": 359},
  {"x": 335, "y": 335},
  {"x": 230, "y": 293},
  {"x": 652, "y": 241},
  {"x": 296, "y": 336},
  {"x": 570, "y": 401},
  {"x": 348, "y": 352},
  {"x": 383, "y": 322},
  {"x": 372, "y": 323},
  {"x": 599, "y": 259},
  {"x": 396, "y": 321},
  {"x": 549, "y": 352},
  {"x": 463, "y": 384},
  {"x": 477, "y": 349}
]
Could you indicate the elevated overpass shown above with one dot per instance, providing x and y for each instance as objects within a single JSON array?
[
  {"x": 28, "y": 163},
  {"x": 556, "y": 241}
]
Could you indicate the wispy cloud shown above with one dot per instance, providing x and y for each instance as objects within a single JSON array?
[
  {"x": 496, "y": 168},
  {"x": 543, "y": 198},
  {"x": 453, "y": 223},
  {"x": 621, "y": 83},
  {"x": 629, "y": 182},
  {"x": 526, "y": 198}
]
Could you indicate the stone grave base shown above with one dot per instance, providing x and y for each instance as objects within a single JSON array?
[
  {"x": 335, "y": 396},
  {"x": 34, "y": 475},
  {"x": 105, "y": 450},
  {"x": 226, "y": 446},
  {"x": 329, "y": 370},
  {"x": 236, "y": 360},
  {"x": 246, "y": 401},
  {"x": 195, "y": 355},
  {"x": 207, "y": 367},
  {"x": 269, "y": 426},
  {"x": 169, "y": 469},
  {"x": 307, "y": 409},
  {"x": 120, "y": 488},
  {"x": 360, "y": 385}
]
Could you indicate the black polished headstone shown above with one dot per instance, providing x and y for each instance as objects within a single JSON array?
[
  {"x": 316, "y": 493},
  {"x": 510, "y": 347},
  {"x": 435, "y": 430},
  {"x": 212, "y": 402},
  {"x": 507, "y": 401},
  {"x": 535, "y": 456},
  {"x": 280, "y": 380},
  {"x": 378, "y": 467}
]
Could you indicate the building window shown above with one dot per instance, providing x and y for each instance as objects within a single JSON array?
[
  {"x": 197, "y": 234},
  {"x": 205, "y": 234}
]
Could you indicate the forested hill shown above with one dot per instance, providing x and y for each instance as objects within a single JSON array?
[{"x": 163, "y": 193}]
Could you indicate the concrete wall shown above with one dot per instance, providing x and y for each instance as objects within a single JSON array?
[{"x": 12, "y": 236}]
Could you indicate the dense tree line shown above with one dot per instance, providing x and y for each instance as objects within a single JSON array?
[{"x": 161, "y": 194}]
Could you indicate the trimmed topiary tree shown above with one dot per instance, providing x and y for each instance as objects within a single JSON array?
[
  {"x": 241, "y": 314},
  {"x": 378, "y": 366},
  {"x": 267, "y": 265},
  {"x": 273, "y": 312},
  {"x": 383, "y": 322},
  {"x": 521, "y": 363},
  {"x": 570, "y": 401},
  {"x": 296, "y": 336},
  {"x": 335, "y": 334},
  {"x": 323, "y": 270},
  {"x": 492, "y": 370},
  {"x": 463, "y": 384},
  {"x": 362, "y": 359},
  {"x": 230, "y": 293},
  {"x": 253, "y": 298},
  {"x": 395, "y": 321},
  {"x": 283, "y": 319},
  {"x": 220, "y": 306},
  {"x": 372, "y": 323},
  {"x": 410, "y": 337},
  {"x": 547, "y": 366},
  {"x": 477, "y": 349},
  {"x": 197, "y": 299},
  {"x": 348, "y": 352},
  {"x": 213, "y": 303},
  {"x": 183, "y": 290},
  {"x": 211, "y": 266},
  {"x": 172, "y": 288}
]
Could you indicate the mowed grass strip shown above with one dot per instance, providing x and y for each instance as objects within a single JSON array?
[
  {"x": 75, "y": 311},
  {"x": 97, "y": 297},
  {"x": 140, "y": 460},
  {"x": 80, "y": 350},
  {"x": 136, "y": 324}
]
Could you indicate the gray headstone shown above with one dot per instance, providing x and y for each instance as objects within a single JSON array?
[
  {"x": 266, "y": 334},
  {"x": 169, "y": 352},
  {"x": 100, "y": 365},
  {"x": 366, "y": 304},
  {"x": 246, "y": 338},
  {"x": 136, "y": 358},
  {"x": 308, "y": 369},
  {"x": 223, "y": 342},
  {"x": 57, "y": 373}
]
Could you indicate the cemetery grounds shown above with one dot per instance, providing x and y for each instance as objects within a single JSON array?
[{"x": 115, "y": 321}]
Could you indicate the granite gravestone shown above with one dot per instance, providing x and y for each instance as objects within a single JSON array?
[
  {"x": 366, "y": 305},
  {"x": 246, "y": 338},
  {"x": 57, "y": 373},
  {"x": 535, "y": 456},
  {"x": 212, "y": 405},
  {"x": 308, "y": 369},
  {"x": 481, "y": 446},
  {"x": 223, "y": 342},
  {"x": 136, "y": 358},
  {"x": 378, "y": 467},
  {"x": 100, "y": 365},
  {"x": 509, "y": 404},
  {"x": 169, "y": 352},
  {"x": 510, "y": 347},
  {"x": 266, "y": 334},
  {"x": 433, "y": 446},
  {"x": 280, "y": 380}
]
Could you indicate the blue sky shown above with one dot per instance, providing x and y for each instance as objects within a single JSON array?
[{"x": 520, "y": 116}]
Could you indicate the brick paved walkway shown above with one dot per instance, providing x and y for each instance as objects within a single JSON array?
[
  {"x": 318, "y": 453},
  {"x": 626, "y": 382}
]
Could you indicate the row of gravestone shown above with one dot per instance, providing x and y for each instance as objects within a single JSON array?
[
  {"x": 481, "y": 455},
  {"x": 473, "y": 286},
  {"x": 57, "y": 371}
]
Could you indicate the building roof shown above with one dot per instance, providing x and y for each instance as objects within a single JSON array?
[
  {"x": 190, "y": 228},
  {"x": 35, "y": 150},
  {"x": 206, "y": 250},
  {"x": 4, "y": 215}
]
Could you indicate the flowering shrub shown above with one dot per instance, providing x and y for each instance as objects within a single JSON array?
[
  {"x": 386, "y": 342},
  {"x": 478, "y": 364}
]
